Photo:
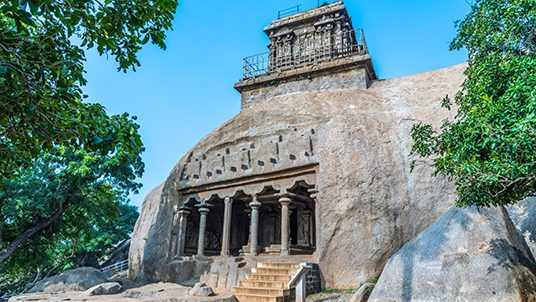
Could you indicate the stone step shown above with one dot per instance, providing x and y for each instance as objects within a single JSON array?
[
  {"x": 286, "y": 265},
  {"x": 264, "y": 291},
  {"x": 267, "y": 277},
  {"x": 258, "y": 298},
  {"x": 271, "y": 284},
  {"x": 275, "y": 271}
]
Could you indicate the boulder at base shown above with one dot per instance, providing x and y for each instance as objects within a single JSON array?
[
  {"x": 108, "y": 288},
  {"x": 467, "y": 255},
  {"x": 201, "y": 289},
  {"x": 77, "y": 279},
  {"x": 523, "y": 215}
]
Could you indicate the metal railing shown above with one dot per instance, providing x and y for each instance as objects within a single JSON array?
[
  {"x": 298, "y": 8},
  {"x": 338, "y": 45},
  {"x": 115, "y": 268},
  {"x": 288, "y": 11}
]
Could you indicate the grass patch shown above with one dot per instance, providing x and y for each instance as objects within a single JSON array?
[{"x": 329, "y": 291}]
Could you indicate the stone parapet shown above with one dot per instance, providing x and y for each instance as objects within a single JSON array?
[{"x": 344, "y": 73}]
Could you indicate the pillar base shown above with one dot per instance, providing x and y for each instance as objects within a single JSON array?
[{"x": 201, "y": 258}]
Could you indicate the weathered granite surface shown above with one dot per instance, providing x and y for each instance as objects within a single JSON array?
[
  {"x": 146, "y": 225},
  {"x": 81, "y": 278},
  {"x": 523, "y": 215},
  {"x": 368, "y": 205},
  {"x": 469, "y": 254},
  {"x": 157, "y": 292}
]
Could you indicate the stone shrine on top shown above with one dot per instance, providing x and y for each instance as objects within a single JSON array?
[{"x": 306, "y": 45}]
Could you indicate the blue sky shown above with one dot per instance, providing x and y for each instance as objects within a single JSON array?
[{"x": 183, "y": 93}]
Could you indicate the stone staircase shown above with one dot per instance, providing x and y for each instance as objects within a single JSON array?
[{"x": 268, "y": 282}]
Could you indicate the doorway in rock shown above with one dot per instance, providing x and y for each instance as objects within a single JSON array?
[
  {"x": 213, "y": 231},
  {"x": 240, "y": 223}
]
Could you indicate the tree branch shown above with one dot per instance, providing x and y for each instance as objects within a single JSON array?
[{"x": 39, "y": 226}]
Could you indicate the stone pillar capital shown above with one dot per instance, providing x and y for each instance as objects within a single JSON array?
[
  {"x": 227, "y": 200},
  {"x": 284, "y": 200},
  {"x": 255, "y": 204},
  {"x": 204, "y": 211},
  {"x": 313, "y": 192},
  {"x": 184, "y": 210}
]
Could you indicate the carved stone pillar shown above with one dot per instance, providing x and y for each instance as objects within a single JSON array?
[
  {"x": 307, "y": 228},
  {"x": 203, "y": 211},
  {"x": 181, "y": 237},
  {"x": 254, "y": 227},
  {"x": 227, "y": 214},
  {"x": 285, "y": 225}
]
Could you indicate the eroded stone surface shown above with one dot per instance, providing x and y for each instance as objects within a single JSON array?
[
  {"x": 523, "y": 215},
  {"x": 158, "y": 292},
  {"x": 145, "y": 226},
  {"x": 80, "y": 279},
  {"x": 201, "y": 289},
  {"x": 108, "y": 288},
  {"x": 467, "y": 255},
  {"x": 368, "y": 205},
  {"x": 363, "y": 293}
]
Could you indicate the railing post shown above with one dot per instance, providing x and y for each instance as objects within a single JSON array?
[{"x": 300, "y": 289}]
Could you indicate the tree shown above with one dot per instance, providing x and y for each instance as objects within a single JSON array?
[
  {"x": 70, "y": 207},
  {"x": 66, "y": 166},
  {"x": 42, "y": 45},
  {"x": 489, "y": 150},
  {"x": 88, "y": 184}
]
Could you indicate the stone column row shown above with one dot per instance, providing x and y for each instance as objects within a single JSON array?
[
  {"x": 203, "y": 212},
  {"x": 284, "y": 201}
]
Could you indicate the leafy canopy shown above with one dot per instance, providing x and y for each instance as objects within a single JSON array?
[
  {"x": 42, "y": 45},
  {"x": 88, "y": 188},
  {"x": 489, "y": 150},
  {"x": 66, "y": 167}
]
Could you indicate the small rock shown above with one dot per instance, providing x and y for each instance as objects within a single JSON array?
[
  {"x": 201, "y": 289},
  {"x": 363, "y": 293},
  {"x": 108, "y": 288}
]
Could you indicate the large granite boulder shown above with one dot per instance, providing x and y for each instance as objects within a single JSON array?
[
  {"x": 78, "y": 279},
  {"x": 523, "y": 215},
  {"x": 369, "y": 202},
  {"x": 467, "y": 255},
  {"x": 146, "y": 225}
]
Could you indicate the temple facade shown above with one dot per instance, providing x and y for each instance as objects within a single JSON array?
[
  {"x": 260, "y": 197},
  {"x": 312, "y": 174}
]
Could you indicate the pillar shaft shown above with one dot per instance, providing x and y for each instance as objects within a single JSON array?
[
  {"x": 226, "y": 226},
  {"x": 181, "y": 240},
  {"x": 254, "y": 227},
  {"x": 202, "y": 228},
  {"x": 285, "y": 225}
]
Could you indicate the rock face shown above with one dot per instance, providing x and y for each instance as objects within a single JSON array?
[
  {"x": 363, "y": 293},
  {"x": 78, "y": 279},
  {"x": 523, "y": 215},
  {"x": 145, "y": 226},
  {"x": 369, "y": 203},
  {"x": 108, "y": 288},
  {"x": 200, "y": 289},
  {"x": 467, "y": 255},
  {"x": 158, "y": 292}
]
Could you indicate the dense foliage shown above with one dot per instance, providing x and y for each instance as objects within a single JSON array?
[
  {"x": 489, "y": 150},
  {"x": 42, "y": 46},
  {"x": 66, "y": 166},
  {"x": 75, "y": 203}
]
